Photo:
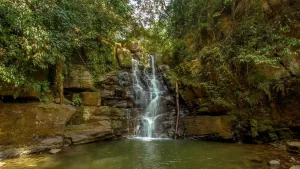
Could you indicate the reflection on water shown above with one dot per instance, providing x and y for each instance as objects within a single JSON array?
[{"x": 160, "y": 154}]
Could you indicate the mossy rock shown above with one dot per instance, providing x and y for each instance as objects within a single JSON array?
[{"x": 124, "y": 58}]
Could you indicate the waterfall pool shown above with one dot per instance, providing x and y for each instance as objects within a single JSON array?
[{"x": 154, "y": 153}]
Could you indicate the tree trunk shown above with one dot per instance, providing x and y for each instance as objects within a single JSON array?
[
  {"x": 177, "y": 110},
  {"x": 59, "y": 80}
]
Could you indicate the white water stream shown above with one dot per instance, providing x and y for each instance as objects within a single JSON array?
[{"x": 151, "y": 108}]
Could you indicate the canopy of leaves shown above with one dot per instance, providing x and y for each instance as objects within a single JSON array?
[{"x": 35, "y": 33}]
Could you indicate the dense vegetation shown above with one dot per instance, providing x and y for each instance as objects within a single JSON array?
[
  {"x": 35, "y": 35},
  {"x": 231, "y": 47},
  {"x": 234, "y": 48}
]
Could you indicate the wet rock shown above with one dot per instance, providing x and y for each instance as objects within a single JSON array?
[
  {"x": 107, "y": 79},
  {"x": 295, "y": 167},
  {"x": 168, "y": 100},
  {"x": 124, "y": 79},
  {"x": 274, "y": 163},
  {"x": 292, "y": 159},
  {"x": 85, "y": 133},
  {"x": 128, "y": 93},
  {"x": 79, "y": 78},
  {"x": 293, "y": 147},
  {"x": 52, "y": 141},
  {"x": 91, "y": 98},
  {"x": 54, "y": 151},
  {"x": 118, "y": 103},
  {"x": 107, "y": 93},
  {"x": 2, "y": 165}
]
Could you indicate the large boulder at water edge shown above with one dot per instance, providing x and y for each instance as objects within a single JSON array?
[
  {"x": 293, "y": 147},
  {"x": 25, "y": 124},
  {"x": 212, "y": 127},
  {"x": 95, "y": 123}
]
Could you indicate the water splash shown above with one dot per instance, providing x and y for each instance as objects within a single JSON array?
[{"x": 152, "y": 109}]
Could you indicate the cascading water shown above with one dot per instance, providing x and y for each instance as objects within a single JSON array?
[{"x": 151, "y": 85}]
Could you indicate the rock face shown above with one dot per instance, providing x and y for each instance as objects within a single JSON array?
[
  {"x": 41, "y": 127},
  {"x": 95, "y": 123},
  {"x": 91, "y": 98},
  {"x": 28, "y": 93},
  {"x": 217, "y": 127},
  {"x": 79, "y": 78},
  {"x": 295, "y": 167},
  {"x": 293, "y": 147},
  {"x": 24, "y": 124}
]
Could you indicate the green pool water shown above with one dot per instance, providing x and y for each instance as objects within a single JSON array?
[{"x": 158, "y": 154}]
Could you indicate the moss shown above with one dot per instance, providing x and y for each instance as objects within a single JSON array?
[
  {"x": 116, "y": 124},
  {"x": 273, "y": 136}
]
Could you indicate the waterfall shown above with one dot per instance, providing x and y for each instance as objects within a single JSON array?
[{"x": 150, "y": 86}]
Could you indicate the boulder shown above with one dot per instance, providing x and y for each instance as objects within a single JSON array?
[
  {"x": 209, "y": 126},
  {"x": 124, "y": 58},
  {"x": 133, "y": 47},
  {"x": 91, "y": 98},
  {"x": 273, "y": 72},
  {"x": 56, "y": 141},
  {"x": 293, "y": 147},
  {"x": 54, "y": 151},
  {"x": 85, "y": 133},
  {"x": 164, "y": 68},
  {"x": 274, "y": 163},
  {"x": 107, "y": 92},
  {"x": 2, "y": 165},
  {"x": 107, "y": 79},
  {"x": 200, "y": 91},
  {"x": 117, "y": 103},
  {"x": 24, "y": 93},
  {"x": 187, "y": 94},
  {"x": 124, "y": 78},
  {"x": 292, "y": 63},
  {"x": 79, "y": 78},
  {"x": 26, "y": 124},
  {"x": 295, "y": 167}
]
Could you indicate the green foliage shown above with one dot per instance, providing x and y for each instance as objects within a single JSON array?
[
  {"x": 34, "y": 34},
  {"x": 77, "y": 101},
  {"x": 101, "y": 59},
  {"x": 231, "y": 39}
]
